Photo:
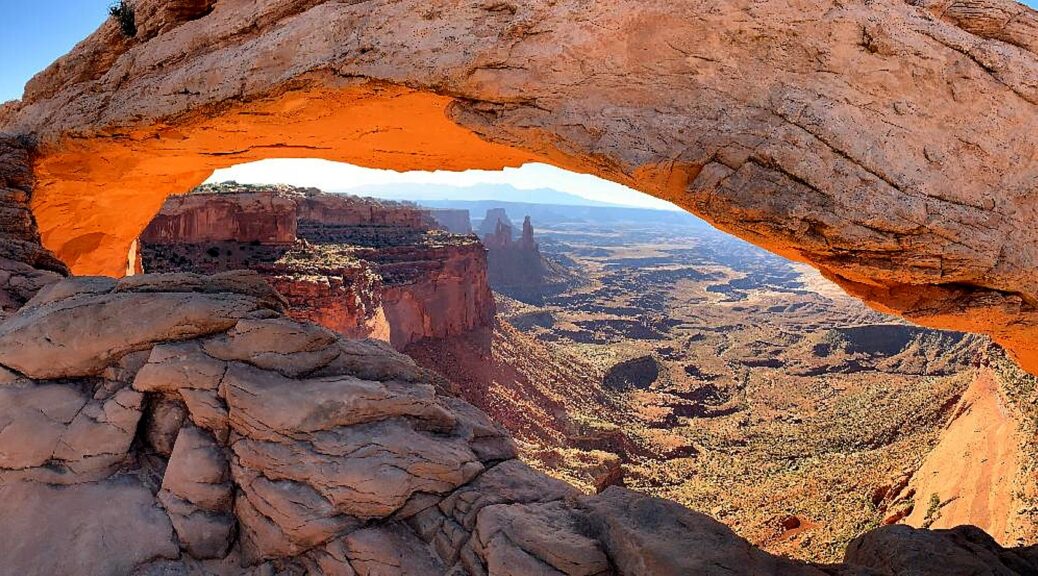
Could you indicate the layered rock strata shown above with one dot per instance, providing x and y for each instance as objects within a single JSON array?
[
  {"x": 25, "y": 266},
  {"x": 888, "y": 143},
  {"x": 358, "y": 266},
  {"x": 219, "y": 437}
]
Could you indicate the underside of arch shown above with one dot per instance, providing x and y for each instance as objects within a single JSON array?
[{"x": 891, "y": 145}]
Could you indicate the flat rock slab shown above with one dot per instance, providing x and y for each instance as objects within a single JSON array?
[
  {"x": 82, "y": 332},
  {"x": 96, "y": 529}
]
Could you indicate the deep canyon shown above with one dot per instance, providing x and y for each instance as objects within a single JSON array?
[{"x": 203, "y": 419}]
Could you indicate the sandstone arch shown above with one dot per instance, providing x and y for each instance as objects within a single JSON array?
[{"x": 893, "y": 145}]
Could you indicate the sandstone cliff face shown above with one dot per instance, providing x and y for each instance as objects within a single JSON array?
[
  {"x": 889, "y": 143},
  {"x": 248, "y": 217},
  {"x": 25, "y": 267},
  {"x": 346, "y": 299},
  {"x": 452, "y": 219},
  {"x": 516, "y": 267},
  {"x": 451, "y": 296},
  {"x": 339, "y": 210},
  {"x": 178, "y": 424},
  {"x": 357, "y": 266},
  {"x": 974, "y": 475}
]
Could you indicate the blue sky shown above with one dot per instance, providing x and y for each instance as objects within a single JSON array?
[{"x": 34, "y": 33}]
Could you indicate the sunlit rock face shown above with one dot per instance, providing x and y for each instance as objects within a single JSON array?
[
  {"x": 180, "y": 424},
  {"x": 889, "y": 143},
  {"x": 185, "y": 416},
  {"x": 257, "y": 217},
  {"x": 361, "y": 267}
]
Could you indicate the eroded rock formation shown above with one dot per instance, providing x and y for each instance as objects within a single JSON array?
[
  {"x": 889, "y": 143},
  {"x": 516, "y": 267},
  {"x": 497, "y": 223},
  {"x": 358, "y": 266},
  {"x": 285, "y": 448},
  {"x": 452, "y": 219},
  {"x": 25, "y": 267},
  {"x": 180, "y": 424}
]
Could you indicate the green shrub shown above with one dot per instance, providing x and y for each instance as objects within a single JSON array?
[
  {"x": 933, "y": 511},
  {"x": 123, "y": 13}
]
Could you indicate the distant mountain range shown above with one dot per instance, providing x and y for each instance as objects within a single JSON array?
[
  {"x": 549, "y": 214},
  {"x": 423, "y": 193}
]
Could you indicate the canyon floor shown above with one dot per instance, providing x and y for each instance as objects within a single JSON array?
[
  {"x": 647, "y": 349},
  {"x": 693, "y": 366}
]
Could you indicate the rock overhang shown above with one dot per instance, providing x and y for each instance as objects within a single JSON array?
[{"x": 891, "y": 145}]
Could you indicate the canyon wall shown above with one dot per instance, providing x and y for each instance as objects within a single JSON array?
[
  {"x": 347, "y": 298},
  {"x": 361, "y": 267},
  {"x": 249, "y": 217},
  {"x": 888, "y": 143},
  {"x": 342, "y": 210},
  {"x": 438, "y": 292},
  {"x": 452, "y": 219},
  {"x": 179, "y": 424}
]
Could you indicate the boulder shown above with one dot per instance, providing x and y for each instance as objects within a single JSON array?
[
  {"x": 201, "y": 454},
  {"x": 265, "y": 405},
  {"x": 543, "y": 539},
  {"x": 92, "y": 529},
  {"x": 859, "y": 138},
  {"x": 367, "y": 471},
  {"x": 900, "y": 549},
  {"x": 645, "y": 536},
  {"x": 393, "y": 550},
  {"x": 82, "y": 332}
]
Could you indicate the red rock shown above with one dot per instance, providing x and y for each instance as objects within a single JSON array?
[
  {"x": 864, "y": 144},
  {"x": 358, "y": 266},
  {"x": 261, "y": 217},
  {"x": 341, "y": 454}
]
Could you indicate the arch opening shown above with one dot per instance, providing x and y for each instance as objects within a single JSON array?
[
  {"x": 696, "y": 331},
  {"x": 901, "y": 165},
  {"x": 95, "y": 194}
]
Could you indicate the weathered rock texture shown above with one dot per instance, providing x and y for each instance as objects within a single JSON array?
[
  {"x": 361, "y": 267},
  {"x": 245, "y": 217},
  {"x": 25, "y": 266},
  {"x": 179, "y": 424},
  {"x": 221, "y": 438},
  {"x": 892, "y": 144}
]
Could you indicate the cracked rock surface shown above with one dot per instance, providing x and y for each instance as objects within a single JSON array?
[
  {"x": 25, "y": 266},
  {"x": 145, "y": 424},
  {"x": 254, "y": 444}
]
